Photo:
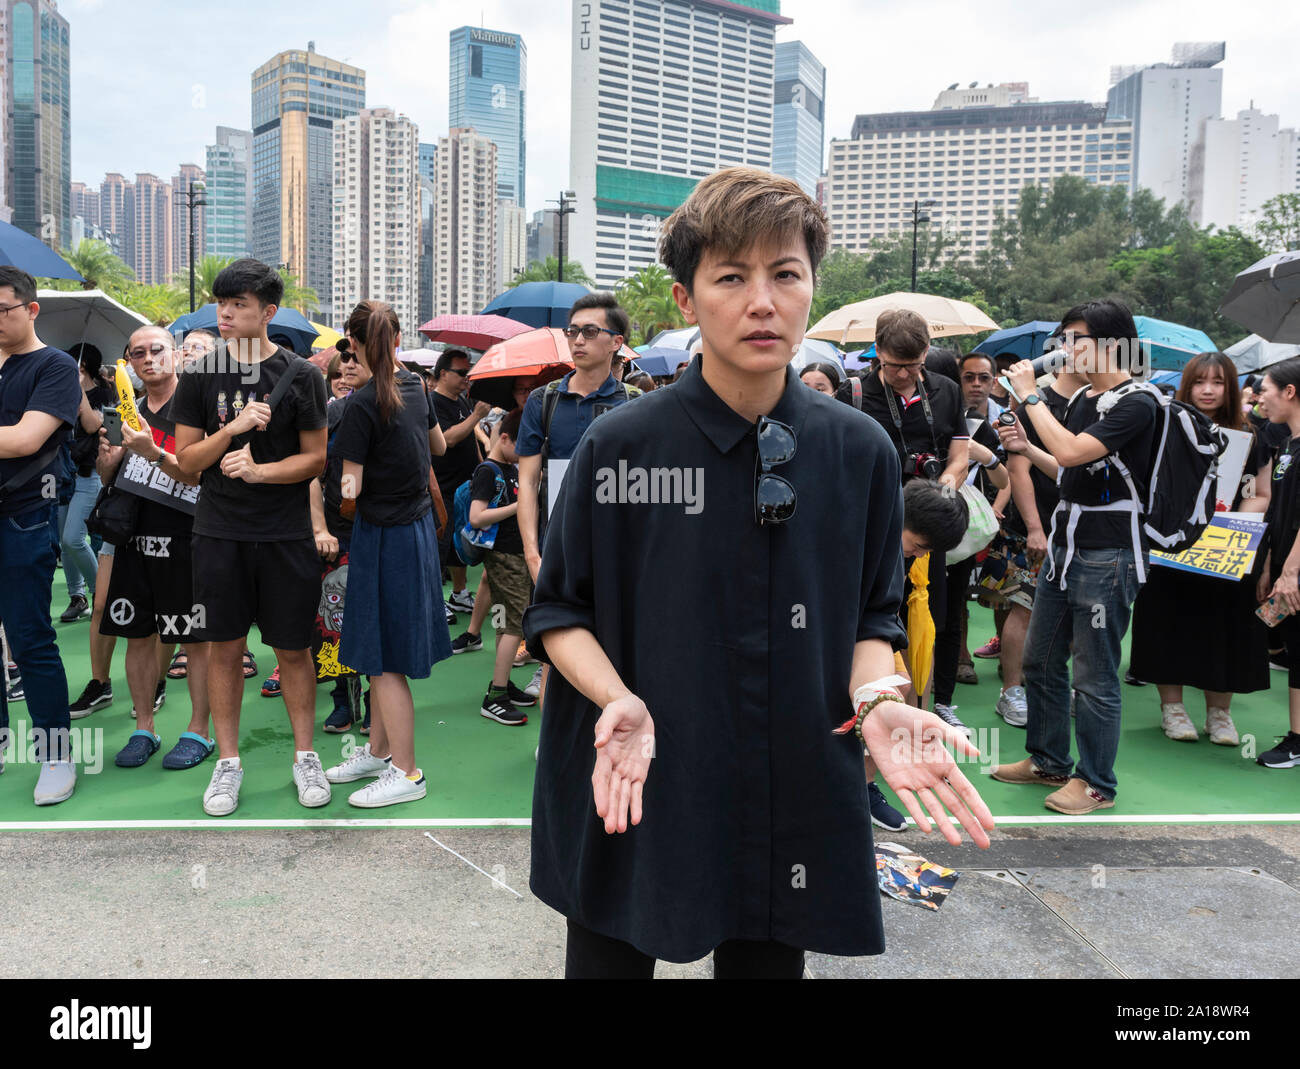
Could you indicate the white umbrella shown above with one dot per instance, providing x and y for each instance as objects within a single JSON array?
[
  {"x": 813, "y": 351},
  {"x": 68, "y": 317},
  {"x": 855, "y": 324},
  {"x": 1254, "y": 352},
  {"x": 678, "y": 338}
]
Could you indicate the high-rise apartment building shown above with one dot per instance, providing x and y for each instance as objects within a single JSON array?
[
  {"x": 37, "y": 131},
  {"x": 465, "y": 246},
  {"x": 376, "y": 224},
  {"x": 1167, "y": 104},
  {"x": 488, "y": 78},
  {"x": 6, "y": 213},
  {"x": 150, "y": 212},
  {"x": 799, "y": 115},
  {"x": 296, "y": 98},
  {"x": 512, "y": 240},
  {"x": 85, "y": 203},
  {"x": 114, "y": 215},
  {"x": 229, "y": 216},
  {"x": 972, "y": 160},
  {"x": 664, "y": 92},
  {"x": 1237, "y": 166},
  {"x": 180, "y": 183},
  {"x": 428, "y": 199}
]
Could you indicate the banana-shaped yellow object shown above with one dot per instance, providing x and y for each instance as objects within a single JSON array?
[{"x": 126, "y": 398}]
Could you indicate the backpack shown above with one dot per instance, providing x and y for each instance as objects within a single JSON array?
[
  {"x": 467, "y": 541},
  {"x": 1180, "y": 498}
]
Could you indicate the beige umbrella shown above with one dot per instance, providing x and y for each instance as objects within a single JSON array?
[{"x": 855, "y": 324}]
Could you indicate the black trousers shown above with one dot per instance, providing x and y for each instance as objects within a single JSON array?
[
  {"x": 589, "y": 956},
  {"x": 947, "y": 642}
]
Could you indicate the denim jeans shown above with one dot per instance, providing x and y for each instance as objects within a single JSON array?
[
  {"x": 27, "y": 550},
  {"x": 1087, "y": 620},
  {"x": 78, "y": 555}
]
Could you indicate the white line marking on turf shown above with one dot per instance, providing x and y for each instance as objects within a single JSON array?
[
  {"x": 524, "y": 822},
  {"x": 473, "y": 866}
]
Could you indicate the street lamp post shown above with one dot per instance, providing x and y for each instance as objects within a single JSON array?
[
  {"x": 918, "y": 217},
  {"x": 194, "y": 196},
  {"x": 567, "y": 206}
]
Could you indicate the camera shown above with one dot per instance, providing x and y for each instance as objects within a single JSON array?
[
  {"x": 1007, "y": 419},
  {"x": 926, "y": 465}
]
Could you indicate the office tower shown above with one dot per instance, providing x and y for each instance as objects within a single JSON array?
[
  {"x": 296, "y": 98},
  {"x": 180, "y": 184},
  {"x": 6, "y": 213},
  {"x": 38, "y": 125},
  {"x": 541, "y": 237},
  {"x": 972, "y": 160},
  {"x": 658, "y": 103},
  {"x": 376, "y": 223},
  {"x": 512, "y": 240},
  {"x": 799, "y": 115},
  {"x": 429, "y": 161},
  {"x": 465, "y": 262},
  {"x": 488, "y": 78},
  {"x": 1237, "y": 166},
  {"x": 428, "y": 200},
  {"x": 1168, "y": 103},
  {"x": 229, "y": 215},
  {"x": 149, "y": 209}
]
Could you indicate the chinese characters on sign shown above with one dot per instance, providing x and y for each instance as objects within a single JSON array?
[
  {"x": 1226, "y": 550},
  {"x": 141, "y": 478}
]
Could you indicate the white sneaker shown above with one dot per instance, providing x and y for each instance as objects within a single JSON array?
[
  {"x": 1220, "y": 728},
  {"x": 361, "y": 764},
  {"x": 58, "y": 779},
  {"x": 1176, "y": 723},
  {"x": 390, "y": 788},
  {"x": 1013, "y": 707},
  {"x": 309, "y": 778},
  {"x": 222, "y": 796},
  {"x": 535, "y": 685}
]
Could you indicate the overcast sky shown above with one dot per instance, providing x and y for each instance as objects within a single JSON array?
[{"x": 151, "y": 80}]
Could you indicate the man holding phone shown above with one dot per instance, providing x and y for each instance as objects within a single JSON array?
[{"x": 40, "y": 394}]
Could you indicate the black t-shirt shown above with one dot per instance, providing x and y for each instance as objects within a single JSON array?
[
  {"x": 1045, "y": 492},
  {"x": 1127, "y": 429},
  {"x": 1273, "y": 436},
  {"x": 946, "y": 407},
  {"x": 484, "y": 487},
  {"x": 331, "y": 480},
  {"x": 212, "y": 396},
  {"x": 44, "y": 380},
  {"x": 394, "y": 455},
  {"x": 986, "y": 436},
  {"x": 458, "y": 463},
  {"x": 155, "y": 518},
  {"x": 1283, "y": 515},
  {"x": 85, "y": 444}
]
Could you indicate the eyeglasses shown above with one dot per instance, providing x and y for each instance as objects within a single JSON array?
[
  {"x": 1069, "y": 339},
  {"x": 774, "y": 497},
  {"x": 590, "y": 332},
  {"x": 10, "y": 307},
  {"x": 156, "y": 349},
  {"x": 977, "y": 378},
  {"x": 916, "y": 366},
  {"x": 461, "y": 371},
  {"x": 346, "y": 357}
]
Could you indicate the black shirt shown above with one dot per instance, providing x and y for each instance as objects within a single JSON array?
[
  {"x": 210, "y": 397},
  {"x": 484, "y": 487},
  {"x": 331, "y": 479},
  {"x": 457, "y": 464},
  {"x": 745, "y": 685},
  {"x": 85, "y": 444},
  {"x": 1045, "y": 491},
  {"x": 155, "y": 518},
  {"x": 1128, "y": 429},
  {"x": 1283, "y": 515},
  {"x": 946, "y": 407},
  {"x": 986, "y": 436},
  {"x": 394, "y": 455},
  {"x": 44, "y": 380}
]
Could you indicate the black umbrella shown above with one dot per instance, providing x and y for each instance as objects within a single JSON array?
[{"x": 1265, "y": 298}]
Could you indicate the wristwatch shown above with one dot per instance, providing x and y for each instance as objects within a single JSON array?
[
  {"x": 1032, "y": 399},
  {"x": 162, "y": 455}
]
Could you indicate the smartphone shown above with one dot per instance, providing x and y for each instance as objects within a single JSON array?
[
  {"x": 1273, "y": 611},
  {"x": 113, "y": 425}
]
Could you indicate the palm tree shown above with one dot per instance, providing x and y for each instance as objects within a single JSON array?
[
  {"x": 205, "y": 273},
  {"x": 303, "y": 298},
  {"x": 648, "y": 299},
  {"x": 96, "y": 262},
  {"x": 548, "y": 270},
  {"x": 159, "y": 303}
]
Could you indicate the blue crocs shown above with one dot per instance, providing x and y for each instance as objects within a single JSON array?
[
  {"x": 141, "y": 746},
  {"x": 190, "y": 750}
]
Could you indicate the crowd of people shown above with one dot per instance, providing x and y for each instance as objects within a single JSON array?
[{"x": 259, "y": 491}]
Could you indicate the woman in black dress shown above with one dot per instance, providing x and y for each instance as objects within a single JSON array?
[{"x": 1196, "y": 630}]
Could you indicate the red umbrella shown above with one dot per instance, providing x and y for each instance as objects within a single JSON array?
[
  {"x": 472, "y": 332},
  {"x": 541, "y": 354}
]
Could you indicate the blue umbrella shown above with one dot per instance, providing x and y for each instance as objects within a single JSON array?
[
  {"x": 860, "y": 360},
  {"x": 287, "y": 321},
  {"x": 19, "y": 249},
  {"x": 539, "y": 304},
  {"x": 657, "y": 360},
  {"x": 1025, "y": 342},
  {"x": 1169, "y": 346}
]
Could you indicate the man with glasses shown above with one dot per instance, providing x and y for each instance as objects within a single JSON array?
[
  {"x": 151, "y": 592},
  {"x": 40, "y": 393},
  {"x": 714, "y": 701},
  {"x": 978, "y": 374},
  {"x": 459, "y": 420}
]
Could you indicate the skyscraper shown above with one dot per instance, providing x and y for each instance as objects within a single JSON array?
[
  {"x": 1237, "y": 166},
  {"x": 429, "y": 161},
  {"x": 1167, "y": 104},
  {"x": 229, "y": 216},
  {"x": 465, "y": 245},
  {"x": 489, "y": 74},
  {"x": 38, "y": 124},
  {"x": 85, "y": 203},
  {"x": 658, "y": 104},
  {"x": 6, "y": 213},
  {"x": 376, "y": 227},
  {"x": 296, "y": 98},
  {"x": 150, "y": 211},
  {"x": 799, "y": 115},
  {"x": 180, "y": 184},
  {"x": 114, "y": 215},
  {"x": 512, "y": 241}
]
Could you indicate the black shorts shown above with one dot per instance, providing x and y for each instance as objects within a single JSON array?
[
  {"x": 275, "y": 585},
  {"x": 151, "y": 590}
]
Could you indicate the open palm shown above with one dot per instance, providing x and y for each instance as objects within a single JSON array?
[{"x": 625, "y": 736}]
